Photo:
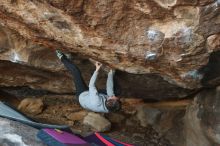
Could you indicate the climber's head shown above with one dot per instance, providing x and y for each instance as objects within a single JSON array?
[{"x": 113, "y": 104}]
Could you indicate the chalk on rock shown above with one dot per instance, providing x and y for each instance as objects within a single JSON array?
[
  {"x": 150, "y": 56},
  {"x": 155, "y": 37}
]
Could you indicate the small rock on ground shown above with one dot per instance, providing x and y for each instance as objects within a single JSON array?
[
  {"x": 76, "y": 116},
  {"x": 31, "y": 105},
  {"x": 98, "y": 122}
]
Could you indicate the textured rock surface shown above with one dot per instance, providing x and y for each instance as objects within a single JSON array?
[
  {"x": 77, "y": 116},
  {"x": 197, "y": 125},
  {"x": 179, "y": 40},
  {"x": 202, "y": 119},
  {"x": 147, "y": 116},
  {"x": 31, "y": 105},
  {"x": 38, "y": 67},
  {"x": 116, "y": 118},
  {"x": 13, "y": 74},
  {"x": 171, "y": 125},
  {"x": 164, "y": 37},
  {"x": 98, "y": 122}
]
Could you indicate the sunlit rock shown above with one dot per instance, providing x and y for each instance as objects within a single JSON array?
[
  {"x": 31, "y": 106},
  {"x": 166, "y": 38}
]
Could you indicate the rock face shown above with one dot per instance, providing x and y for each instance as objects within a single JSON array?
[
  {"x": 202, "y": 119},
  {"x": 13, "y": 74},
  {"x": 147, "y": 116},
  {"x": 198, "y": 125},
  {"x": 98, "y": 122},
  {"x": 77, "y": 116},
  {"x": 171, "y": 125},
  {"x": 27, "y": 64},
  {"x": 31, "y": 105},
  {"x": 170, "y": 38}
]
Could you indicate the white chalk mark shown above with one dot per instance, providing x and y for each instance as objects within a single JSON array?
[
  {"x": 166, "y": 3},
  {"x": 15, "y": 57},
  {"x": 150, "y": 55},
  {"x": 151, "y": 34}
]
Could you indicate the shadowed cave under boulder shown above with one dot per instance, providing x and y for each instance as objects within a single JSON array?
[{"x": 166, "y": 54}]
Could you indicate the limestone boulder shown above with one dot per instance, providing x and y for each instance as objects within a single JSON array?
[
  {"x": 77, "y": 116},
  {"x": 213, "y": 42},
  {"x": 202, "y": 119},
  {"x": 198, "y": 124},
  {"x": 37, "y": 67},
  {"x": 13, "y": 74},
  {"x": 163, "y": 37},
  {"x": 31, "y": 106},
  {"x": 98, "y": 122},
  {"x": 147, "y": 116},
  {"x": 158, "y": 46},
  {"x": 171, "y": 125}
]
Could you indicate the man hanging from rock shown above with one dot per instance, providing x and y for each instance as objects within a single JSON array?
[{"x": 89, "y": 97}]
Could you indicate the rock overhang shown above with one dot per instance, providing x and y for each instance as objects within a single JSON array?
[{"x": 172, "y": 39}]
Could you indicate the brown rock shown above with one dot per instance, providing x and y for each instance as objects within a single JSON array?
[
  {"x": 202, "y": 119},
  {"x": 70, "y": 123},
  {"x": 194, "y": 132},
  {"x": 213, "y": 42},
  {"x": 77, "y": 116},
  {"x": 13, "y": 74},
  {"x": 205, "y": 2},
  {"x": 116, "y": 118},
  {"x": 171, "y": 125},
  {"x": 130, "y": 110},
  {"x": 98, "y": 122},
  {"x": 168, "y": 37},
  {"x": 31, "y": 105},
  {"x": 147, "y": 116}
]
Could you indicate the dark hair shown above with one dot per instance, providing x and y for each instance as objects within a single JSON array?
[{"x": 113, "y": 105}]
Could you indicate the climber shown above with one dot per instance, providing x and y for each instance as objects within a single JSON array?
[{"x": 88, "y": 97}]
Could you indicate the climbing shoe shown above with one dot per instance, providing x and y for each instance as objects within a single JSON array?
[{"x": 59, "y": 54}]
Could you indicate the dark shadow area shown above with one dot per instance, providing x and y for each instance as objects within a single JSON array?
[
  {"x": 150, "y": 87},
  {"x": 9, "y": 98},
  {"x": 211, "y": 71},
  {"x": 25, "y": 91}
]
